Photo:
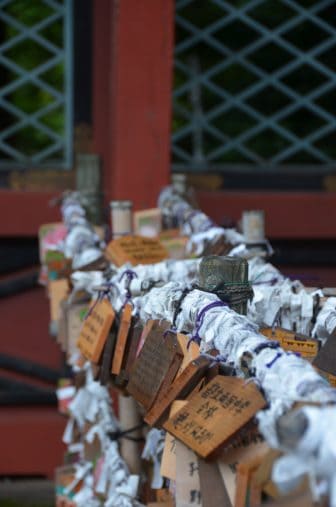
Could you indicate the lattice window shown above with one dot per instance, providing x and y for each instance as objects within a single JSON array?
[
  {"x": 35, "y": 83},
  {"x": 255, "y": 85}
]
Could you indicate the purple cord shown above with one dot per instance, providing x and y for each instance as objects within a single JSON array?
[
  {"x": 102, "y": 293},
  {"x": 172, "y": 329},
  {"x": 270, "y": 364},
  {"x": 199, "y": 321},
  {"x": 130, "y": 275}
]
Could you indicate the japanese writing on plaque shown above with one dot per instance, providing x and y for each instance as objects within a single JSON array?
[
  {"x": 136, "y": 250},
  {"x": 214, "y": 414}
]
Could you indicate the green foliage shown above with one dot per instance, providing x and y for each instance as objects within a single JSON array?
[{"x": 29, "y": 54}]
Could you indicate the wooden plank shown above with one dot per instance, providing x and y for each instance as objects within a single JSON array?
[
  {"x": 296, "y": 215},
  {"x": 213, "y": 489},
  {"x": 22, "y": 213},
  {"x": 199, "y": 424},
  {"x": 180, "y": 388},
  {"x": 123, "y": 332},
  {"x": 156, "y": 361}
]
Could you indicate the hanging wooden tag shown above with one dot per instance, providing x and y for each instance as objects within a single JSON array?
[
  {"x": 293, "y": 342},
  {"x": 95, "y": 329},
  {"x": 213, "y": 489},
  {"x": 229, "y": 460},
  {"x": 109, "y": 348},
  {"x": 75, "y": 317},
  {"x": 168, "y": 460},
  {"x": 263, "y": 474},
  {"x": 133, "y": 342},
  {"x": 189, "y": 353},
  {"x": 58, "y": 291},
  {"x": 160, "y": 357},
  {"x": 135, "y": 250},
  {"x": 120, "y": 347},
  {"x": 179, "y": 389},
  {"x": 200, "y": 423},
  {"x": 188, "y": 491},
  {"x": 148, "y": 327}
]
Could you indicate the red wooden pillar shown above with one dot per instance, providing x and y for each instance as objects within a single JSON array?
[{"x": 133, "y": 60}]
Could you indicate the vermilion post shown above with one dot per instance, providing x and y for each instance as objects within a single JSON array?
[{"x": 132, "y": 96}]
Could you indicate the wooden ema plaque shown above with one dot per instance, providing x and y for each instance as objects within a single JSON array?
[
  {"x": 75, "y": 317},
  {"x": 187, "y": 477},
  {"x": 58, "y": 291},
  {"x": 135, "y": 250},
  {"x": 189, "y": 353},
  {"x": 213, "y": 489},
  {"x": 109, "y": 347},
  {"x": 215, "y": 414},
  {"x": 293, "y": 342},
  {"x": 148, "y": 328},
  {"x": 133, "y": 343},
  {"x": 168, "y": 460},
  {"x": 95, "y": 329},
  {"x": 179, "y": 389},
  {"x": 157, "y": 364},
  {"x": 120, "y": 348},
  {"x": 228, "y": 461}
]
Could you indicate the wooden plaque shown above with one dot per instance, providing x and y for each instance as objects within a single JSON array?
[
  {"x": 160, "y": 357},
  {"x": 58, "y": 291},
  {"x": 293, "y": 342},
  {"x": 179, "y": 389},
  {"x": 168, "y": 460},
  {"x": 213, "y": 489},
  {"x": 200, "y": 424},
  {"x": 133, "y": 342},
  {"x": 189, "y": 353},
  {"x": 228, "y": 461},
  {"x": 187, "y": 477},
  {"x": 148, "y": 328},
  {"x": 75, "y": 317},
  {"x": 109, "y": 347},
  {"x": 135, "y": 250},
  {"x": 95, "y": 329},
  {"x": 121, "y": 342}
]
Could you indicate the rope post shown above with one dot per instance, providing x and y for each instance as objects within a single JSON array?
[{"x": 227, "y": 277}]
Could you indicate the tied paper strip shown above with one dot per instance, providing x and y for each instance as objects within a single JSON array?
[
  {"x": 313, "y": 454},
  {"x": 153, "y": 451},
  {"x": 115, "y": 481},
  {"x": 92, "y": 404}
]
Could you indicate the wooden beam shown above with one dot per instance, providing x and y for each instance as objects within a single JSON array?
[
  {"x": 290, "y": 215},
  {"x": 22, "y": 213}
]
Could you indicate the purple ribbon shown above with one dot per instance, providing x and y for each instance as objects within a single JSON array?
[
  {"x": 270, "y": 364},
  {"x": 102, "y": 293},
  {"x": 130, "y": 275},
  {"x": 199, "y": 321},
  {"x": 279, "y": 354},
  {"x": 172, "y": 329}
]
